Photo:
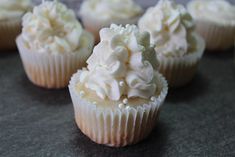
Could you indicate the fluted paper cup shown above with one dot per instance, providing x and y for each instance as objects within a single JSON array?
[
  {"x": 179, "y": 71},
  {"x": 217, "y": 36},
  {"x": 116, "y": 127},
  {"x": 9, "y": 30},
  {"x": 53, "y": 70}
]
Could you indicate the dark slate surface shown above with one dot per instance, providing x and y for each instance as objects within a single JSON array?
[{"x": 197, "y": 120}]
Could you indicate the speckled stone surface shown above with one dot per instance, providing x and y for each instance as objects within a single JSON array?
[{"x": 197, "y": 120}]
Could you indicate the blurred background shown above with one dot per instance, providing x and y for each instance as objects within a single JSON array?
[{"x": 144, "y": 3}]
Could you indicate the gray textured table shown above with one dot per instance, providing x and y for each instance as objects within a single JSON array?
[{"x": 197, "y": 120}]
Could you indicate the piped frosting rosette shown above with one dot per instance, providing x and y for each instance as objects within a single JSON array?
[
  {"x": 122, "y": 76},
  {"x": 179, "y": 49},
  {"x": 53, "y": 44}
]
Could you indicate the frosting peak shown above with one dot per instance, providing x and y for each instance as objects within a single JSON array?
[
  {"x": 51, "y": 27},
  {"x": 219, "y": 11},
  {"x": 13, "y": 8},
  {"x": 111, "y": 9},
  {"x": 122, "y": 63},
  {"x": 170, "y": 26}
]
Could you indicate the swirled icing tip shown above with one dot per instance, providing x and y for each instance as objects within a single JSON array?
[{"x": 118, "y": 29}]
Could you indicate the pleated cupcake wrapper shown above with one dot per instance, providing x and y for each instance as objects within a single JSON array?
[
  {"x": 93, "y": 25},
  {"x": 9, "y": 30},
  {"x": 217, "y": 36},
  {"x": 115, "y": 127},
  {"x": 52, "y": 70},
  {"x": 179, "y": 71}
]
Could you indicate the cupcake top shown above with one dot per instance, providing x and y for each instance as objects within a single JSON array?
[
  {"x": 171, "y": 28},
  {"x": 106, "y": 10},
  {"x": 122, "y": 64},
  {"x": 11, "y": 9},
  {"x": 52, "y": 28},
  {"x": 219, "y": 11}
]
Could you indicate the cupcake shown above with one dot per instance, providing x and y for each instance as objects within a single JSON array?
[
  {"x": 53, "y": 45},
  {"x": 178, "y": 47},
  {"x": 215, "y": 21},
  {"x": 11, "y": 12},
  {"x": 97, "y": 14},
  {"x": 117, "y": 98}
]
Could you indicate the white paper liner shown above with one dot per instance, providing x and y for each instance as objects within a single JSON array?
[
  {"x": 9, "y": 30},
  {"x": 217, "y": 36},
  {"x": 116, "y": 127},
  {"x": 93, "y": 25},
  {"x": 53, "y": 70},
  {"x": 179, "y": 71}
]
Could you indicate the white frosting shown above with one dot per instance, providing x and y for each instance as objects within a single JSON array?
[
  {"x": 51, "y": 27},
  {"x": 219, "y": 11},
  {"x": 170, "y": 27},
  {"x": 13, "y": 8},
  {"x": 122, "y": 64},
  {"x": 106, "y": 10}
]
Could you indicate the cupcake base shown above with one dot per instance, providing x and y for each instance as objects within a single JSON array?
[
  {"x": 179, "y": 71},
  {"x": 217, "y": 36},
  {"x": 114, "y": 126},
  {"x": 53, "y": 70},
  {"x": 9, "y": 30}
]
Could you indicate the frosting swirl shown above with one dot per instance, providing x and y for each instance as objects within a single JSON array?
[
  {"x": 122, "y": 63},
  {"x": 13, "y": 8},
  {"x": 171, "y": 28},
  {"x": 110, "y": 9},
  {"x": 51, "y": 27},
  {"x": 219, "y": 11}
]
